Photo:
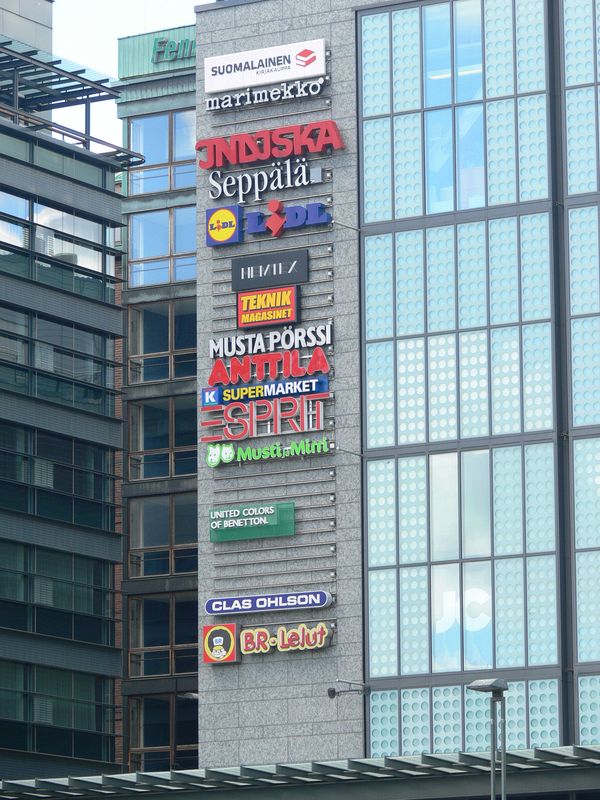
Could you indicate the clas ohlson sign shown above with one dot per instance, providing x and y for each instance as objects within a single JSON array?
[{"x": 253, "y": 521}]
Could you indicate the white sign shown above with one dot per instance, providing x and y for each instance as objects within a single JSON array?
[{"x": 286, "y": 62}]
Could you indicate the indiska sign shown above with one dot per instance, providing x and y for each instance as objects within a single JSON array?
[
  {"x": 252, "y": 521},
  {"x": 249, "y": 604}
]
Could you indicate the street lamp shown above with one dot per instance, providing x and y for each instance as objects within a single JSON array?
[{"x": 495, "y": 687}]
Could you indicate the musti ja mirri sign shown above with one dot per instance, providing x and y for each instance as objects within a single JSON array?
[
  {"x": 287, "y": 62},
  {"x": 267, "y": 602}
]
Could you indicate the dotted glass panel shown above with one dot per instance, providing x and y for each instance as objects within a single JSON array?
[
  {"x": 589, "y": 709},
  {"x": 406, "y": 40},
  {"x": 544, "y": 726},
  {"x": 383, "y": 708},
  {"x": 516, "y": 716},
  {"x": 408, "y": 165},
  {"x": 510, "y": 613},
  {"x": 410, "y": 287},
  {"x": 473, "y": 359},
  {"x": 501, "y": 152},
  {"x": 581, "y": 140},
  {"x": 381, "y": 512},
  {"x": 530, "y": 36},
  {"x": 377, "y": 170},
  {"x": 379, "y": 287},
  {"x": 541, "y": 610},
  {"x": 415, "y": 721},
  {"x": 588, "y": 619},
  {"x": 585, "y": 364},
  {"x": 472, "y": 279},
  {"x": 383, "y": 638},
  {"x": 499, "y": 54},
  {"x": 579, "y": 41},
  {"x": 440, "y": 279},
  {"x": 535, "y": 267},
  {"x": 414, "y": 620},
  {"x": 586, "y": 468},
  {"x": 376, "y": 64},
  {"x": 507, "y": 501},
  {"x": 442, "y": 387},
  {"x": 540, "y": 518},
  {"x": 447, "y": 719},
  {"x": 584, "y": 270},
  {"x": 504, "y": 271},
  {"x": 411, "y": 391},
  {"x": 380, "y": 394},
  {"x": 533, "y": 143},
  {"x": 477, "y": 722},
  {"x": 506, "y": 381},
  {"x": 412, "y": 509},
  {"x": 537, "y": 377}
]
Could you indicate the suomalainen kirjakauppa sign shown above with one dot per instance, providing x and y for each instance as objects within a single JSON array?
[
  {"x": 252, "y": 521},
  {"x": 286, "y": 62},
  {"x": 248, "y": 604}
]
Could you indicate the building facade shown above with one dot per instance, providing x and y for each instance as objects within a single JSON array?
[
  {"x": 157, "y": 101},
  {"x": 443, "y": 464}
]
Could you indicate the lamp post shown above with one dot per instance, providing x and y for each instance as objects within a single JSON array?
[{"x": 495, "y": 687}]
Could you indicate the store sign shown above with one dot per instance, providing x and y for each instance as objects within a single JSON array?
[
  {"x": 291, "y": 90},
  {"x": 300, "y": 60},
  {"x": 290, "y": 601},
  {"x": 224, "y": 226},
  {"x": 255, "y": 391},
  {"x": 267, "y": 307},
  {"x": 269, "y": 145},
  {"x": 268, "y": 366},
  {"x": 256, "y": 343},
  {"x": 245, "y": 186},
  {"x": 171, "y": 50},
  {"x": 265, "y": 270},
  {"x": 229, "y": 453},
  {"x": 220, "y": 644},
  {"x": 284, "y": 639},
  {"x": 251, "y": 521}
]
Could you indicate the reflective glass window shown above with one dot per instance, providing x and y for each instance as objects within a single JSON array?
[{"x": 150, "y": 137}]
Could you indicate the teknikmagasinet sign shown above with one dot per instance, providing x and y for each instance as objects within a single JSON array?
[
  {"x": 267, "y": 270},
  {"x": 249, "y": 604},
  {"x": 252, "y": 521}
]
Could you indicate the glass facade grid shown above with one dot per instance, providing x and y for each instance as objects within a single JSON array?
[
  {"x": 162, "y": 341},
  {"x": 164, "y": 732},
  {"x": 162, "y": 246},
  {"x": 167, "y": 142},
  {"x": 163, "y": 438}
]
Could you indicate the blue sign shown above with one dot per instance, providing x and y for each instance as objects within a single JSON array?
[
  {"x": 224, "y": 226},
  {"x": 244, "y": 392},
  {"x": 267, "y": 602}
]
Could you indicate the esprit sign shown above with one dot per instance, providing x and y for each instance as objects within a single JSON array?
[
  {"x": 290, "y": 601},
  {"x": 287, "y": 62},
  {"x": 266, "y": 307},
  {"x": 228, "y": 453},
  {"x": 251, "y": 521},
  {"x": 265, "y": 270},
  {"x": 284, "y": 639}
]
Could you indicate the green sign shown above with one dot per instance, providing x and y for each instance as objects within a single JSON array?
[
  {"x": 172, "y": 50},
  {"x": 227, "y": 453},
  {"x": 252, "y": 521}
]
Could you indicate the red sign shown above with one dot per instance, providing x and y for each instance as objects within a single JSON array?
[
  {"x": 267, "y": 307},
  {"x": 220, "y": 644},
  {"x": 247, "y": 148},
  {"x": 267, "y": 366},
  {"x": 285, "y": 639}
]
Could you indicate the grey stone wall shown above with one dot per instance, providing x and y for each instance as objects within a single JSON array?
[
  {"x": 28, "y": 21},
  {"x": 275, "y": 707}
]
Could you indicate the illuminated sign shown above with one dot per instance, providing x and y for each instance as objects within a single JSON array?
[
  {"x": 255, "y": 343},
  {"x": 291, "y": 174},
  {"x": 284, "y": 639},
  {"x": 268, "y": 366},
  {"x": 265, "y": 270},
  {"x": 255, "y": 391},
  {"x": 267, "y": 602},
  {"x": 269, "y": 145},
  {"x": 260, "y": 67},
  {"x": 219, "y": 644},
  {"x": 229, "y": 453},
  {"x": 170, "y": 50},
  {"x": 251, "y": 521},
  {"x": 273, "y": 94},
  {"x": 267, "y": 307},
  {"x": 224, "y": 225}
]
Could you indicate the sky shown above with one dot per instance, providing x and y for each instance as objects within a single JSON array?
[{"x": 86, "y": 31}]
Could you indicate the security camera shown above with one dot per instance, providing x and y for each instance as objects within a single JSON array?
[{"x": 331, "y": 693}]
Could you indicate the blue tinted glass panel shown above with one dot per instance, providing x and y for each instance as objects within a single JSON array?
[
  {"x": 410, "y": 289},
  {"x": 541, "y": 610},
  {"x": 380, "y": 391},
  {"x": 383, "y": 640},
  {"x": 379, "y": 287},
  {"x": 415, "y": 721},
  {"x": 508, "y": 491},
  {"x": 377, "y": 166},
  {"x": 510, "y": 613},
  {"x": 184, "y": 130},
  {"x": 149, "y": 234},
  {"x": 414, "y": 620},
  {"x": 442, "y": 387},
  {"x": 470, "y": 160},
  {"x": 581, "y": 140},
  {"x": 499, "y": 52},
  {"x": 443, "y": 500},
  {"x": 411, "y": 391},
  {"x": 148, "y": 272},
  {"x": 436, "y": 55},
  {"x": 586, "y": 468},
  {"x": 504, "y": 271},
  {"x": 447, "y": 719},
  {"x": 539, "y": 497},
  {"x": 408, "y": 166},
  {"x": 544, "y": 727},
  {"x": 589, "y": 709},
  {"x": 184, "y": 229},
  {"x": 150, "y": 137},
  {"x": 477, "y": 615},
  {"x": 376, "y": 64},
  {"x": 537, "y": 377},
  {"x": 406, "y": 39},
  {"x": 384, "y": 723},
  {"x": 535, "y": 267},
  {"x": 578, "y": 41},
  {"x": 584, "y": 270},
  {"x": 474, "y": 393},
  {"x": 445, "y": 621},
  {"x": 588, "y": 619},
  {"x": 530, "y": 36},
  {"x": 441, "y": 291},
  {"x": 468, "y": 50},
  {"x": 506, "y": 381},
  {"x": 381, "y": 512},
  {"x": 501, "y": 152},
  {"x": 533, "y": 147},
  {"x": 412, "y": 509},
  {"x": 472, "y": 278},
  {"x": 585, "y": 361},
  {"x": 475, "y": 495},
  {"x": 439, "y": 162}
]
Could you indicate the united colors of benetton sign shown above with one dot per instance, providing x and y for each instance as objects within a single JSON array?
[{"x": 286, "y": 62}]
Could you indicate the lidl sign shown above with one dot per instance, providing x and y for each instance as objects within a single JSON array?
[{"x": 252, "y": 521}]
